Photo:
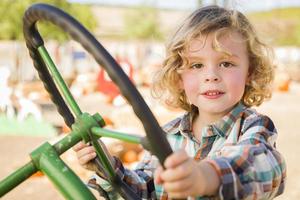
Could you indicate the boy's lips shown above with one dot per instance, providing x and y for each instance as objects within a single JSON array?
[{"x": 212, "y": 94}]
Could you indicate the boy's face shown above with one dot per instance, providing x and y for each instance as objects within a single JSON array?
[{"x": 214, "y": 80}]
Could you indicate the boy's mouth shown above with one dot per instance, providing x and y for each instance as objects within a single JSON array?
[{"x": 212, "y": 94}]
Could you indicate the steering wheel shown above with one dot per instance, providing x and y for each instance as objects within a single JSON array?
[{"x": 158, "y": 144}]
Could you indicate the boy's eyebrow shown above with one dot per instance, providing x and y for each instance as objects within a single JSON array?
[
  {"x": 195, "y": 58},
  {"x": 234, "y": 55},
  {"x": 225, "y": 56}
]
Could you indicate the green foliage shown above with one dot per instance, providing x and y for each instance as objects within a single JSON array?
[
  {"x": 12, "y": 13},
  {"x": 142, "y": 23},
  {"x": 280, "y": 26},
  {"x": 28, "y": 127}
]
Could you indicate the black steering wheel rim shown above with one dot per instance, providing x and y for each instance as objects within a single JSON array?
[{"x": 157, "y": 140}]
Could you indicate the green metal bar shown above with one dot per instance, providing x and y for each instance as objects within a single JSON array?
[
  {"x": 59, "y": 81},
  {"x": 16, "y": 178},
  {"x": 66, "y": 181},
  {"x": 67, "y": 142},
  {"x": 105, "y": 161},
  {"x": 101, "y": 132},
  {"x": 28, "y": 169}
]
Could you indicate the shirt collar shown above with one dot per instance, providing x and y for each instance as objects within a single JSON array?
[
  {"x": 224, "y": 125},
  {"x": 185, "y": 126},
  {"x": 221, "y": 127}
]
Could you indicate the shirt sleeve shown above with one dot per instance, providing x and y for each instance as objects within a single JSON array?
[
  {"x": 252, "y": 168},
  {"x": 140, "y": 180}
]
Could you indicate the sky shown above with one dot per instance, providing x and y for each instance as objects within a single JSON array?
[{"x": 243, "y": 5}]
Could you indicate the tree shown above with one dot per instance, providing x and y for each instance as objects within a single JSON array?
[
  {"x": 279, "y": 26},
  {"x": 142, "y": 23},
  {"x": 199, "y": 3},
  {"x": 12, "y": 13}
]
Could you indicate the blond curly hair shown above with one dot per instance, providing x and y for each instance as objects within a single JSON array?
[{"x": 217, "y": 20}]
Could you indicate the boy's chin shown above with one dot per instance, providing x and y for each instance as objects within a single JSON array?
[{"x": 217, "y": 109}]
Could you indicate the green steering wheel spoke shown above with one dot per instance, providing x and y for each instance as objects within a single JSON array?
[
  {"x": 101, "y": 132},
  {"x": 108, "y": 166},
  {"x": 59, "y": 81}
]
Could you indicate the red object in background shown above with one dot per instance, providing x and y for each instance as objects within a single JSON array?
[{"x": 106, "y": 86}]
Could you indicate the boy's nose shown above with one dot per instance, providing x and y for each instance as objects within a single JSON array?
[
  {"x": 212, "y": 76},
  {"x": 212, "y": 79}
]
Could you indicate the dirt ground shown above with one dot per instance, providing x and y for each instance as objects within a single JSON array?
[{"x": 284, "y": 109}]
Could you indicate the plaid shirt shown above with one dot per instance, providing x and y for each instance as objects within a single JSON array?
[{"x": 241, "y": 148}]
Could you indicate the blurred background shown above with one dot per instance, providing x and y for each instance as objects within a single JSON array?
[{"x": 134, "y": 32}]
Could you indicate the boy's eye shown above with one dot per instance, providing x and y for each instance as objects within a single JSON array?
[
  {"x": 226, "y": 64},
  {"x": 196, "y": 66}
]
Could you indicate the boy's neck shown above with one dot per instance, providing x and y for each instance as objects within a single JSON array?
[{"x": 202, "y": 120}]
